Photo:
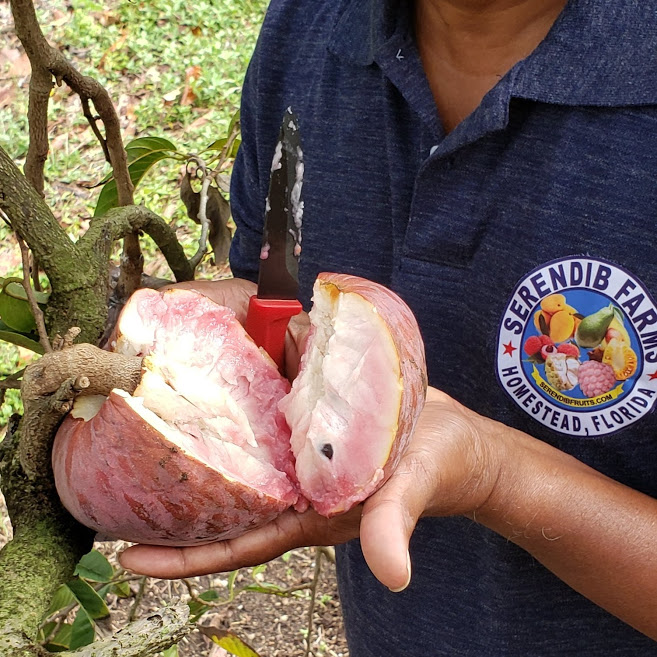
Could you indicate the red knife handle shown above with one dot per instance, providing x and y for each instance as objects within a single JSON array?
[{"x": 266, "y": 323}]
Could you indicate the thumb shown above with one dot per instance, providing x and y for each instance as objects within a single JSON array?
[{"x": 388, "y": 520}]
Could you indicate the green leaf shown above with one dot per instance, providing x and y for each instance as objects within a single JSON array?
[
  {"x": 122, "y": 590},
  {"x": 143, "y": 145},
  {"x": 82, "y": 630},
  {"x": 228, "y": 641},
  {"x": 14, "y": 288},
  {"x": 197, "y": 609},
  {"x": 235, "y": 147},
  {"x": 62, "y": 639},
  {"x": 231, "y": 582},
  {"x": 45, "y": 630},
  {"x": 235, "y": 119},
  {"x": 218, "y": 144},
  {"x": 236, "y": 646},
  {"x": 89, "y": 600},
  {"x": 104, "y": 590},
  {"x": 15, "y": 311},
  {"x": 140, "y": 147},
  {"x": 94, "y": 567},
  {"x": 142, "y": 153},
  {"x": 258, "y": 569},
  {"x": 63, "y": 598},
  {"x": 171, "y": 651},
  {"x": 27, "y": 341}
]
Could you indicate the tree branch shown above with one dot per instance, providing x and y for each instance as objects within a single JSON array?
[
  {"x": 43, "y": 57},
  {"x": 147, "y": 636},
  {"x": 202, "y": 217},
  {"x": 31, "y": 218},
  {"x": 48, "y": 62},
  {"x": 118, "y": 222},
  {"x": 49, "y": 387},
  {"x": 37, "y": 153},
  {"x": 79, "y": 272},
  {"x": 79, "y": 283},
  {"x": 34, "y": 306},
  {"x": 93, "y": 124},
  {"x": 43, "y": 553}
]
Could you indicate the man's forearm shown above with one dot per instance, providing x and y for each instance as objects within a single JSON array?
[{"x": 597, "y": 535}]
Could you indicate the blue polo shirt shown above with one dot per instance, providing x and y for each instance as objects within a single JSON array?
[{"x": 536, "y": 212}]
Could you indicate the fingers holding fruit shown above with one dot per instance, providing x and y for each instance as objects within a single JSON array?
[{"x": 450, "y": 467}]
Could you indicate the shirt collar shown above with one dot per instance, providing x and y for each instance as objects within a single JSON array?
[
  {"x": 364, "y": 26},
  {"x": 598, "y": 52}
]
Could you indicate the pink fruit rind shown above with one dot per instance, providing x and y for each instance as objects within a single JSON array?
[
  {"x": 101, "y": 466},
  {"x": 391, "y": 383}
]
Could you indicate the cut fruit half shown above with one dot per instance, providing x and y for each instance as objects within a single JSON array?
[{"x": 360, "y": 389}]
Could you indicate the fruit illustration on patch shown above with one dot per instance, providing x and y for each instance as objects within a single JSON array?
[
  {"x": 592, "y": 351},
  {"x": 561, "y": 371},
  {"x": 577, "y": 347},
  {"x": 596, "y": 378},
  {"x": 556, "y": 318},
  {"x": 621, "y": 357},
  {"x": 593, "y": 328}
]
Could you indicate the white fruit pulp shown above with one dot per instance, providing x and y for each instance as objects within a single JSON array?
[
  {"x": 344, "y": 405},
  {"x": 204, "y": 445}
]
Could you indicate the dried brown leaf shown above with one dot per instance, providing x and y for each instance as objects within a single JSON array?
[
  {"x": 192, "y": 74},
  {"x": 7, "y": 94}
]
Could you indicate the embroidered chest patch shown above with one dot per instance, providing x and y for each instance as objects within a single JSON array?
[{"x": 577, "y": 347}]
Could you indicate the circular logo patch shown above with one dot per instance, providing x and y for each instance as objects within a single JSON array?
[{"x": 577, "y": 347}]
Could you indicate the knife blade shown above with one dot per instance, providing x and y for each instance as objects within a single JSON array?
[{"x": 276, "y": 301}]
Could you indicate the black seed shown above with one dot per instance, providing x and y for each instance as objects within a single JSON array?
[
  {"x": 184, "y": 476},
  {"x": 327, "y": 450}
]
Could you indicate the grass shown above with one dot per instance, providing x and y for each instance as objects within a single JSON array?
[{"x": 173, "y": 69}]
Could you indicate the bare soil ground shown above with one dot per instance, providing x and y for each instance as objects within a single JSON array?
[{"x": 273, "y": 626}]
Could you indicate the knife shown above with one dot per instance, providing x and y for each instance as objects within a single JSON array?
[{"x": 278, "y": 285}]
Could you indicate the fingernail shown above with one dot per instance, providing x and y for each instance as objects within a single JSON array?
[{"x": 408, "y": 578}]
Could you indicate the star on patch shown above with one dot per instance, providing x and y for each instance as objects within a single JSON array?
[
  {"x": 653, "y": 376},
  {"x": 509, "y": 349}
]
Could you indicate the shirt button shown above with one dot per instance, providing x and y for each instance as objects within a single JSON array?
[{"x": 433, "y": 149}]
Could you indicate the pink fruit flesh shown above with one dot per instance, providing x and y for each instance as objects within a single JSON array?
[
  {"x": 211, "y": 461},
  {"x": 361, "y": 386},
  {"x": 200, "y": 349}
]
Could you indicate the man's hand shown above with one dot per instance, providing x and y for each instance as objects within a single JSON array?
[
  {"x": 574, "y": 520},
  {"x": 445, "y": 471}
]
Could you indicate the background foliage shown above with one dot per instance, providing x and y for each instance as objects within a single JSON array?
[{"x": 174, "y": 69}]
